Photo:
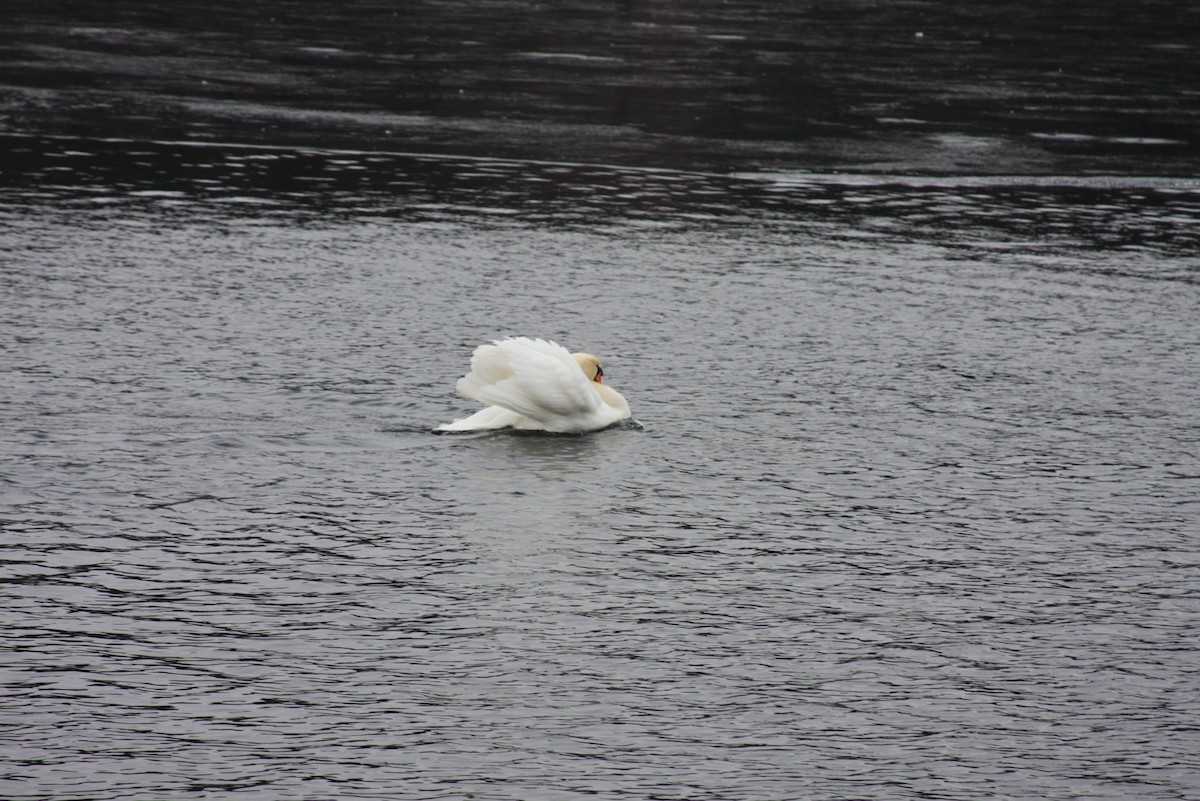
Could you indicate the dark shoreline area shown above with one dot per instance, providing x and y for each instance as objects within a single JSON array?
[{"x": 899, "y": 88}]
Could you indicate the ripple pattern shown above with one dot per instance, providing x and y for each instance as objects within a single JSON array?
[{"x": 912, "y": 515}]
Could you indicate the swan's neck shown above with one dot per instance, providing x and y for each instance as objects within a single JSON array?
[{"x": 611, "y": 396}]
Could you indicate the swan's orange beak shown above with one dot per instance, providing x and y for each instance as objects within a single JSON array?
[{"x": 599, "y": 375}]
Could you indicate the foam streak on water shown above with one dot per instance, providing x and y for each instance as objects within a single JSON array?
[{"x": 913, "y": 514}]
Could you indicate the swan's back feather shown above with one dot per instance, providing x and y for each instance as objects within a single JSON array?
[{"x": 532, "y": 377}]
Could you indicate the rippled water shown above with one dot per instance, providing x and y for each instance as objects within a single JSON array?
[
  {"x": 913, "y": 513},
  {"x": 1003, "y": 87}
]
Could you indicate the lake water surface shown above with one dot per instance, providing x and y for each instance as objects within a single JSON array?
[
  {"x": 912, "y": 513},
  {"x": 905, "y": 298}
]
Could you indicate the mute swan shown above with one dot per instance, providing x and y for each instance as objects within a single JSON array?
[{"x": 537, "y": 385}]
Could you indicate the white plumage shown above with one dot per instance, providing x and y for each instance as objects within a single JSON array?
[{"x": 537, "y": 385}]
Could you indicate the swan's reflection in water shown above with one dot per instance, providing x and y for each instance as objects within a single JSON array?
[
  {"x": 546, "y": 457},
  {"x": 535, "y": 492}
]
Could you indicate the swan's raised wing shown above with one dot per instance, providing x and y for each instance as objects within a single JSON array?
[{"x": 532, "y": 377}]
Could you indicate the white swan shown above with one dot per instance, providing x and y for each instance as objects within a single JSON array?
[{"x": 536, "y": 385}]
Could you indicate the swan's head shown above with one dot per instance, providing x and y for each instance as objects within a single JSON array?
[{"x": 590, "y": 366}]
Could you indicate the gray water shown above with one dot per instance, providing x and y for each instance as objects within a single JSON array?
[{"x": 912, "y": 513}]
